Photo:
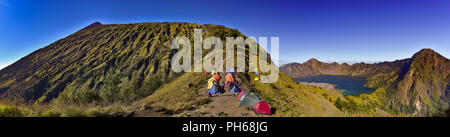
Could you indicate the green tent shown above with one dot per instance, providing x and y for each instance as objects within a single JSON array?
[{"x": 249, "y": 100}]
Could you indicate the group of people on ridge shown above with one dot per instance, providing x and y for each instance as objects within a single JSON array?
[{"x": 230, "y": 84}]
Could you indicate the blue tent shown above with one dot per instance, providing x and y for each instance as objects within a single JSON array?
[{"x": 235, "y": 89}]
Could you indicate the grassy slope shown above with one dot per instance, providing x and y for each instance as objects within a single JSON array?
[
  {"x": 286, "y": 96},
  {"x": 291, "y": 99},
  {"x": 183, "y": 93},
  {"x": 57, "y": 111},
  {"x": 416, "y": 86}
]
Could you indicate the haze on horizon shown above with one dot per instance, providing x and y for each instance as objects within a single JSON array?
[{"x": 328, "y": 30}]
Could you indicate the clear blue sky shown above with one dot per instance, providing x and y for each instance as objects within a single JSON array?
[{"x": 330, "y": 30}]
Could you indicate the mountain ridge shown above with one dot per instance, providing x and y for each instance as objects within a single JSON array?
[{"x": 414, "y": 85}]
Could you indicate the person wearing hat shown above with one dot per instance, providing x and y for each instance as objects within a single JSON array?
[{"x": 257, "y": 74}]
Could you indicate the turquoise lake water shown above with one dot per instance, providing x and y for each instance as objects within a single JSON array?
[{"x": 349, "y": 85}]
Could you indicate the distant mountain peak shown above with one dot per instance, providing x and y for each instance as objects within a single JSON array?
[
  {"x": 313, "y": 60},
  {"x": 96, "y": 24},
  {"x": 426, "y": 51},
  {"x": 93, "y": 25}
]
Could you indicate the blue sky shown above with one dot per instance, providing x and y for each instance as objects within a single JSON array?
[{"x": 329, "y": 30}]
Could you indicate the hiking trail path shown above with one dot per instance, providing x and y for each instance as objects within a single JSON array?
[{"x": 226, "y": 105}]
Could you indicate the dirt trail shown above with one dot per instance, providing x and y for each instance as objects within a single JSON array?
[{"x": 228, "y": 106}]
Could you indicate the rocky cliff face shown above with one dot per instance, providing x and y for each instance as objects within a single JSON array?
[{"x": 424, "y": 81}]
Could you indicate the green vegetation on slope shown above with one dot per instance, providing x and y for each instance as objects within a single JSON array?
[
  {"x": 57, "y": 111},
  {"x": 183, "y": 93}
]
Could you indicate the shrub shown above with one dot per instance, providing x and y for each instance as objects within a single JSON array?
[
  {"x": 12, "y": 111},
  {"x": 86, "y": 97},
  {"x": 448, "y": 112},
  {"x": 110, "y": 90},
  {"x": 348, "y": 106}
]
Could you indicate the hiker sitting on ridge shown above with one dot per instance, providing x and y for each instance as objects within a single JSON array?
[
  {"x": 229, "y": 79},
  {"x": 213, "y": 84},
  {"x": 231, "y": 84}
]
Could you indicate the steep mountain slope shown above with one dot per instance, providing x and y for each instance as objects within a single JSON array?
[
  {"x": 417, "y": 85},
  {"x": 422, "y": 84},
  {"x": 130, "y": 60}
]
